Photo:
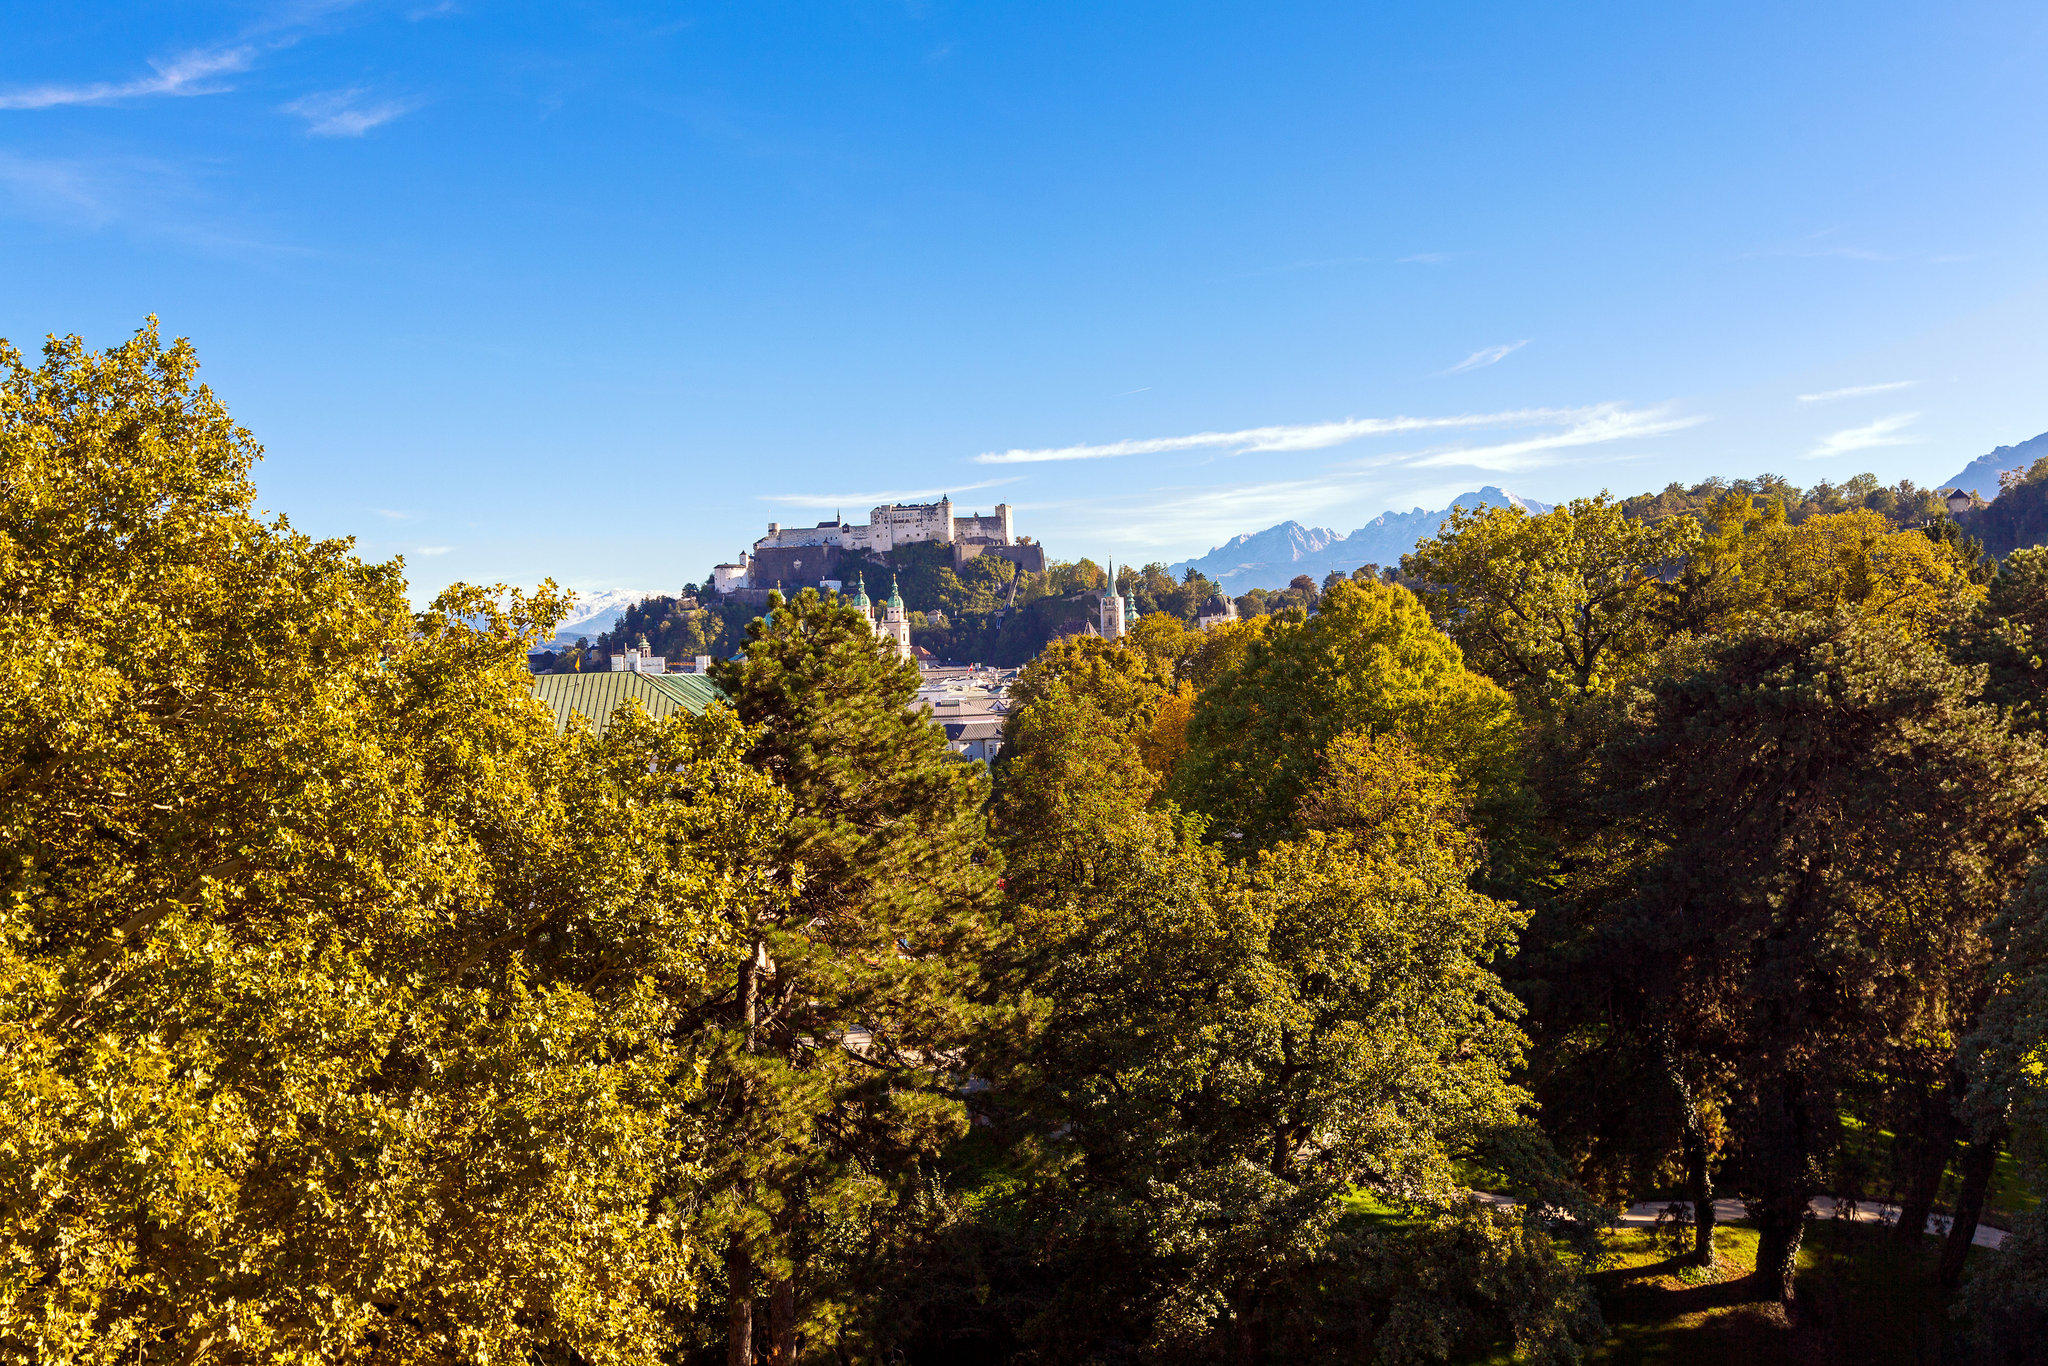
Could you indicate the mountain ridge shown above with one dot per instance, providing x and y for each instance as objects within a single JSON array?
[
  {"x": 1981, "y": 475},
  {"x": 1272, "y": 557}
]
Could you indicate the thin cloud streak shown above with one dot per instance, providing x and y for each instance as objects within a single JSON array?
[
  {"x": 1491, "y": 355},
  {"x": 433, "y": 549},
  {"x": 1177, "y": 518},
  {"x": 152, "y": 199},
  {"x": 190, "y": 73},
  {"x": 1857, "y": 391},
  {"x": 864, "y": 501},
  {"x": 1886, "y": 431},
  {"x": 1307, "y": 436},
  {"x": 1593, "y": 426},
  {"x": 341, "y": 114}
]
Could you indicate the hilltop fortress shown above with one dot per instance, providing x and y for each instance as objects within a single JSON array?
[{"x": 802, "y": 557}]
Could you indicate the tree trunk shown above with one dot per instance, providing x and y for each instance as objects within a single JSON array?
[
  {"x": 1699, "y": 1176},
  {"x": 1980, "y": 1159},
  {"x": 1926, "y": 1151},
  {"x": 782, "y": 1322},
  {"x": 1780, "y": 1225},
  {"x": 739, "y": 1257},
  {"x": 739, "y": 1303},
  {"x": 1699, "y": 1188},
  {"x": 1785, "y": 1185}
]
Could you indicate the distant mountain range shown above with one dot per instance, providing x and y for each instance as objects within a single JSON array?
[
  {"x": 1271, "y": 558},
  {"x": 1980, "y": 476},
  {"x": 594, "y": 613}
]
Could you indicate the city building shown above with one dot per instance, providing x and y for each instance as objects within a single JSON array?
[
  {"x": 894, "y": 624},
  {"x": 890, "y": 621},
  {"x": 1113, "y": 612},
  {"x": 1217, "y": 610},
  {"x": 639, "y": 659},
  {"x": 970, "y": 705}
]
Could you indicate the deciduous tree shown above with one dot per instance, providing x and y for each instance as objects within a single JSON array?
[
  {"x": 338, "y": 997},
  {"x": 1369, "y": 661},
  {"x": 1556, "y": 605},
  {"x": 1833, "y": 825}
]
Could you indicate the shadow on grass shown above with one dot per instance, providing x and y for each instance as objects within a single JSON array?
[{"x": 1861, "y": 1301}]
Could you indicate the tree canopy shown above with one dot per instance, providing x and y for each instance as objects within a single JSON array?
[{"x": 1369, "y": 660}]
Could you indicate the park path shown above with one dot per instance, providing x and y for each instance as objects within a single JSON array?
[
  {"x": 1646, "y": 1213},
  {"x": 1823, "y": 1207}
]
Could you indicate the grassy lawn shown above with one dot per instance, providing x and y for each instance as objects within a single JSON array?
[{"x": 1860, "y": 1301}]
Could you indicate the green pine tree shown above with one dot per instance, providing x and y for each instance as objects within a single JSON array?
[{"x": 851, "y": 1005}]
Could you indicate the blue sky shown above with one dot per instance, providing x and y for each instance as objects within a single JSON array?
[{"x": 595, "y": 291}]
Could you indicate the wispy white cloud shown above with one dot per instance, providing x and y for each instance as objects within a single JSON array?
[
  {"x": 1176, "y": 519},
  {"x": 1857, "y": 391},
  {"x": 62, "y": 189},
  {"x": 864, "y": 501},
  {"x": 1822, "y": 253},
  {"x": 394, "y": 514},
  {"x": 1886, "y": 431},
  {"x": 433, "y": 549},
  {"x": 1424, "y": 258},
  {"x": 1490, "y": 355},
  {"x": 150, "y": 198},
  {"x": 191, "y": 73},
  {"x": 1595, "y": 426},
  {"x": 346, "y": 113},
  {"x": 1304, "y": 436},
  {"x": 196, "y": 71}
]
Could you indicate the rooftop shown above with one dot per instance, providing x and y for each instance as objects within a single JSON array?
[{"x": 599, "y": 695}]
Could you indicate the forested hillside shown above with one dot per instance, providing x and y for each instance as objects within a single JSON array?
[
  {"x": 1317, "y": 988},
  {"x": 970, "y": 616}
]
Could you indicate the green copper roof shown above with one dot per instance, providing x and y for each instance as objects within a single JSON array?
[
  {"x": 860, "y": 594},
  {"x": 599, "y": 696},
  {"x": 895, "y": 598}
]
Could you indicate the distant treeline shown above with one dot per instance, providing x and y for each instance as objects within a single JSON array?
[{"x": 970, "y": 615}]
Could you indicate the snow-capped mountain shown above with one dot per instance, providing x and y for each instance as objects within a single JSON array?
[
  {"x": 1289, "y": 543},
  {"x": 597, "y": 611},
  {"x": 1271, "y": 558}
]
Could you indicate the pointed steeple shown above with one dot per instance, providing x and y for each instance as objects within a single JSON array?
[
  {"x": 860, "y": 594},
  {"x": 895, "y": 598}
]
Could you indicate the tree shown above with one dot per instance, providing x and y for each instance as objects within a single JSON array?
[
  {"x": 1552, "y": 606},
  {"x": 1370, "y": 661},
  {"x": 1169, "y": 641},
  {"x": 2008, "y": 635},
  {"x": 1124, "y": 681},
  {"x": 1230, "y": 1058},
  {"x": 336, "y": 993},
  {"x": 1829, "y": 824},
  {"x": 843, "y": 1028},
  {"x": 1756, "y": 563}
]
